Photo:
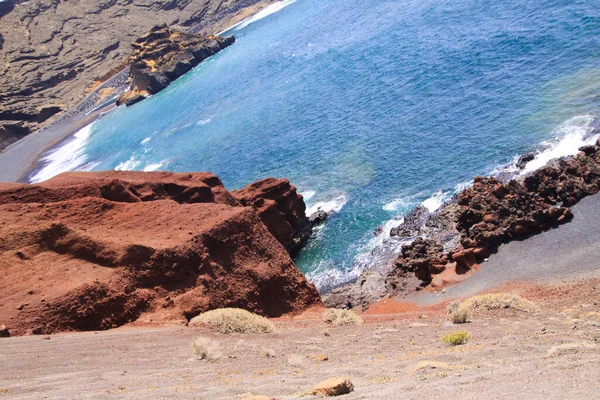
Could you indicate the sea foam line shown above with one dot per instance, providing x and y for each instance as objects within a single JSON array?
[
  {"x": 265, "y": 12},
  {"x": 69, "y": 156}
]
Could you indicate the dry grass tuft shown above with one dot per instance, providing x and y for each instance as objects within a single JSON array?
[
  {"x": 498, "y": 301},
  {"x": 207, "y": 349},
  {"x": 571, "y": 348},
  {"x": 338, "y": 317},
  {"x": 269, "y": 353},
  {"x": 456, "y": 338},
  {"x": 458, "y": 314},
  {"x": 233, "y": 320}
]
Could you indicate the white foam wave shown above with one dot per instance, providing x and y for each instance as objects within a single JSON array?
[
  {"x": 436, "y": 200},
  {"x": 203, "y": 121},
  {"x": 265, "y": 12},
  {"x": 146, "y": 140},
  {"x": 329, "y": 206},
  {"x": 67, "y": 157},
  {"x": 570, "y": 136},
  {"x": 131, "y": 164},
  {"x": 325, "y": 276},
  {"x": 309, "y": 194},
  {"x": 154, "y": 167},
  {"x": 394, "y": 205}
]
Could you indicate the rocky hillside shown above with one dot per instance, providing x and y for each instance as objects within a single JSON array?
[
  {"x": 89, "y": 251},
  {"x": 52, "y": 51}
]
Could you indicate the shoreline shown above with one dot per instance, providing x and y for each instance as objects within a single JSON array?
[{"x": 20, "y": 159}]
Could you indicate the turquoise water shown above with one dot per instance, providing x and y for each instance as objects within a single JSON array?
[{"x": 369, "y": 108}]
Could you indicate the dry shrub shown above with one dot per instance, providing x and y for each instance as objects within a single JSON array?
[
  {"x": 571, "y": 348},
  {"x": 458, "y": 314},
  {"x": 207, "y": 349},
  {"x": 456, "y": 338},
  {"x": 269, "y": 353},
  {"x": 233, "y": 320},
  {"x": 497, "y": 301},
  {"x": 342, "y": 317}
]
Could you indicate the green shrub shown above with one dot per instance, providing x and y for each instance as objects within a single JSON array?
[{"x": 456, "y": 338}]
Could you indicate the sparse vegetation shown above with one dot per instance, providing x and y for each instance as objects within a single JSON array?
[
  {"x": 497, "y": 301},
  {"x": 207, "y": 349},
  {"x": 456, "y": 338},
  {"x": 458, "y": 314},
  {"x": 269, "y": 353},
  {"x": 233, "y": 320},
  {"x": 338, "y": 317}
]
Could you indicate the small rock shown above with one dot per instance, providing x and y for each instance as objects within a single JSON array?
[
  {"x": 4, "y": 331},
  {"x": 321, "y": 357},
  {"x": 333, "y": 387}
]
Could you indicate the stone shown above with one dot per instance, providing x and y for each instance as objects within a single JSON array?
[
  {"x": 333, "y": 387},
  {"x": 4, "y": 332}
]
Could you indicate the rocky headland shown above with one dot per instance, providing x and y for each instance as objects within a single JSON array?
[
  {"x": 93, "y": 251},
  {"x": 447, "y": 245},
  {"x": 54, "y": 53},
  {"x": 162, "y": 55}
]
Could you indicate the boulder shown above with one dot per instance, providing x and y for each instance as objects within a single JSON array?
[{"x": 333, "y": 387}]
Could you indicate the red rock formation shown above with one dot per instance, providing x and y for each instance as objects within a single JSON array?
[
  {"x": 275, "y": 201},
  {"x": 88, "y": 251}
]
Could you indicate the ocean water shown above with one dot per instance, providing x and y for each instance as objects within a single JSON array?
[{"x": 369, "y": 108}]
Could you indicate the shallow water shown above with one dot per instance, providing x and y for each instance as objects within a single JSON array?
[{"x": 369, "y": 108}]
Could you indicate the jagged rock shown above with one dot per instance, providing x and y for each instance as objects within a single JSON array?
[
  {"x": 281, "y": 208},
  {"x": 114, "y": 247},
  {"x": 162, "y": 55},
  {"x": 318, "y": 217}
]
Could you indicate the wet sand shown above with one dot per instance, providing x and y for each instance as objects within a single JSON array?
[{"x": 19, "y": 159}]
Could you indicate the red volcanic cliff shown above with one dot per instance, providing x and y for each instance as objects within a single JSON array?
[{"x": 88, "y": 251}]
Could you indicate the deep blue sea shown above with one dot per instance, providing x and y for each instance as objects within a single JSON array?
[{"x": 368, "y": 107}]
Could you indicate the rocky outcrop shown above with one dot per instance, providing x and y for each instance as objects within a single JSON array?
[
  {"x": 52, "y": 52},
  {"x": 162, "y": 55},
  {"x": 492, "y": 213},
  {"x": 275, "y": 201},
  {"x": 447, "y": 244},
  {"x": 87, "y": 251}
]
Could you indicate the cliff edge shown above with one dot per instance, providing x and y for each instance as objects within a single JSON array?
[{"x": 90, "y": 251}]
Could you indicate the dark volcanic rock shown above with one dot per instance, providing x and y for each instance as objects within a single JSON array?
[
  {"x": 462, "y": 234},
  {"x": 88, "y": 251},
  {"x": 163, "y": 55}
]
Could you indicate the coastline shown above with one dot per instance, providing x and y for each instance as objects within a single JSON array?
[{"x": 20, "y": 159}]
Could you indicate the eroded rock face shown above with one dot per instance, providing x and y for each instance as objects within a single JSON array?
[
  {"x": 276, "y": 200},
  {"x": 88, "y": 251},
  {"x": 162, "y": 55}
]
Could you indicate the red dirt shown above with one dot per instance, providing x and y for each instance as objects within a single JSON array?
[{"x": 88, "y": 251}]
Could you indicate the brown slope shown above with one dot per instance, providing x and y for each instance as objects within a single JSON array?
[{"x": 95, "y": 251}]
